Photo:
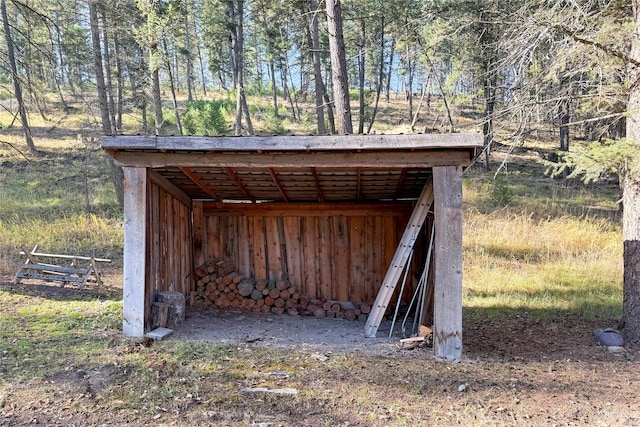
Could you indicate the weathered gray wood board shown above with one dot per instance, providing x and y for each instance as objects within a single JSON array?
[{"x": 447, "y": 329}]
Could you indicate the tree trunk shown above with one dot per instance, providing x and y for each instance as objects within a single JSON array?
[
  {"x": 202, "y": 75},
  {"x": 16, "y": 81},
  {"x": 631, "y": 199},
  {"x": 391, "y": 55},
  {"x": 99, "y": 70},
  {"x": 330, "y": 116},
  {"x": 293, "y": 100},
  {"x": 117, "y": 174},
  {"x": 339, "y": 67},
  {"x": 120, "y": 80},
  {"x": 361, "y": 58},
  {"x": 173, "y": 91},
  {"x": 155, "y": 93},
  {"x": 241, "y": 101},
  {"x": 107, "y": 78},
  {"x": 489, "y": 103},
  {"x": 187, "y": 41},
  {"x": 565, "y": 117},
  {"x": 380, "y": 78},
  {"x": 314, "y": 47}
]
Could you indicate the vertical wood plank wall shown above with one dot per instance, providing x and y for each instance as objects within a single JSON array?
[
  {"x": 169, "y": 258},
  {"x": 333, "y": 254}
]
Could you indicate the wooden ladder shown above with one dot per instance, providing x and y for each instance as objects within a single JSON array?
[{"x": 399, "y": 261}]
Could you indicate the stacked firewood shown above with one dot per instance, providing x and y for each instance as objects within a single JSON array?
[{"x": 218, "y": 285}]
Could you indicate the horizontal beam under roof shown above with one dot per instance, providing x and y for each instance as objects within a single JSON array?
[{"x": 391, "y": 159}]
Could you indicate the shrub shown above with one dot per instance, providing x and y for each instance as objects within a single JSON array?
[{"x": 206, "y": 117}]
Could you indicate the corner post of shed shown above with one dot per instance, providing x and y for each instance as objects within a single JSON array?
[
  {"x": 447, "y": 334},
  {"x": 135, "y": 250}
]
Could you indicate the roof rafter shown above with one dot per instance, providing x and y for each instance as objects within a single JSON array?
[
  {"x": 316, "y": 179},
  {"x": 276, "y": 180},
  {"x": 232, "y": 174},
  {"x": 200, "y": 182},
  {"x": 400, "y": 184},
  {"x": 358, "y": 185}
]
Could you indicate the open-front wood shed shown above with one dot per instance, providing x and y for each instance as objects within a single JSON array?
[{"x": 328, "y": 213}]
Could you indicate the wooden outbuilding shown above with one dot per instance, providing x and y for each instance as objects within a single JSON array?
[{"x": 331, "y": 214}]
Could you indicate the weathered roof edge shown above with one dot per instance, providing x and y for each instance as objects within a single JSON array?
[{"x": 294, "y": 142}]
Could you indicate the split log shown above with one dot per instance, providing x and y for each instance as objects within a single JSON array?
[
  {"x": 245, "y": 287},
  {"x": 282, "y": 284},
  {"x": 177, "y": 307},
  {"x": 256, "y": 295},
  {"x": 225, "y": 267},
  {"x": 349, "y": 315},
  {"x": 159, "y": 315},
  {"x": 346, "y": 305},
  {"x": 274, "y": 293},
  {"x": 304, "y": 300},
  {"x": 290, "y": 303}
]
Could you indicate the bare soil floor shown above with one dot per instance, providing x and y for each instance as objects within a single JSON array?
[{"x": 516, "y": 370}]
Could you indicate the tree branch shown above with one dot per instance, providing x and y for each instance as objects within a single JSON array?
[
  {"x": 606, "y": 49},
  {"x": 14, "y": 147}
]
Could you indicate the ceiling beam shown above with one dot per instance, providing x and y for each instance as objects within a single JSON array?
[
  {"x": 276, "y": 180},
  {"x": 200, "y": 183},
  {"x": 232, "y": 174}
]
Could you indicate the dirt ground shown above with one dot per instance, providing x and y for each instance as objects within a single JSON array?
[
  {"x": 517, "y": 336},
  {"x": 515, "y": 370}
]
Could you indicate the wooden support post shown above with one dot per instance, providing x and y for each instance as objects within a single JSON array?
[
  {"x": 447, "y": 327},
  {"x": 135, "y": 242}
]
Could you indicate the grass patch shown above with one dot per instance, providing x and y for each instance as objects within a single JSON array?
[{"x": 520, "y": 260}]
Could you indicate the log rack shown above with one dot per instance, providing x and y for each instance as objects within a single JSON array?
[{"x": 47, "y": 267}]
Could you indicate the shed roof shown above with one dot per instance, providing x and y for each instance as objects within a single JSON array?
[{"x": 345, "y": 168}]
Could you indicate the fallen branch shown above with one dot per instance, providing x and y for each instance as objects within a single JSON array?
[{"x": 14, "y": 147}]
